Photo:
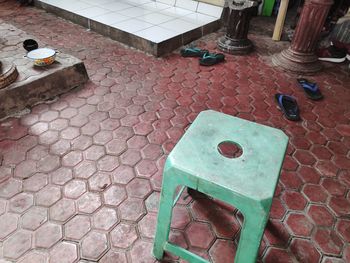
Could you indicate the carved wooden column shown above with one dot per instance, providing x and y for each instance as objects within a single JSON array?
[
  {"x": 239, "y": 13},
  {"x": 300, "y": 57}
]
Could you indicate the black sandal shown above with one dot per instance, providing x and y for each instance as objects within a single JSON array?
[{"x": 289, "y": 106}]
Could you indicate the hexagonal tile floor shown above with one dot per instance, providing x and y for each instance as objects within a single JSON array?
[{"x": 80, "y": 177}]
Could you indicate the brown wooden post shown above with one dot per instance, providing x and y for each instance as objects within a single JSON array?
[
  {"x": 237, "y": 15},
  {"x": 300, "y": 57}
]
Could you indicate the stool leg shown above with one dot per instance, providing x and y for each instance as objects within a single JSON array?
[
  {"x": 251, "y": 235},
  {"x": 164, "y": 217}
]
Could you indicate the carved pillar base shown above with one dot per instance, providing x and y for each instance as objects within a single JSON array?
[
  {"x": 8, "y": 74},
  {"x": 300, "y": 57},
  {"x": 235, "y": 46},
  {"x": 297, "y": 62}
]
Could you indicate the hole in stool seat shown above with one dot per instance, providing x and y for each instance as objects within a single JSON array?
[{"x": 230, "y": 149}]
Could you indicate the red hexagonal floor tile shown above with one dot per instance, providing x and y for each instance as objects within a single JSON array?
[
  {"x": 132, "y": 209},
  {"x": 147, "y": 225},
  {"x": 8, "y": 224},
  {"x": 123, "y": 174},
  {"x": 47, "y": 235},
  {"x": 304, "y": 157},
  {"x": 64, "y": 252},
  {"x": 320, "y": 215},
  {"x": 123, "y": 235},
  {"x": 114, "y": 256},
  {"x": 93, "y": 245},
  {"x": 17, "y": 244},
  {"x": 77, "y": 227},
  {"x": 142, "y": 249},
  {"x": 309, "y": 175},
  {"x": 277, "y": 209},
  {"x": 99, "y": 181},
  {"x": 315, "y": 193},
  {"x": 328, "y": 241},
  {"x": 277, "y": 255},
  {"x": 180, "y": 217},
  {"x": 294, "y": 200},
  {"x": 222, "y": 251},
  {"x": 222, "y": 220},
  {"x": 299, "y": 224},
  {"x": 199, "y": 235},
  {"x": 304, "y": 250},
  {"x": 276, "y": 234},
  {"x": 343, "y": 228},
  {"x": 333, "y": 187},
  {"x": 62, "y": 210},
  {"x": 340, "y": 206},
  {"x": 138, "y": 187}
]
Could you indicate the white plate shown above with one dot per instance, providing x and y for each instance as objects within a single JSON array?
[{"x": 41, "y": 53}]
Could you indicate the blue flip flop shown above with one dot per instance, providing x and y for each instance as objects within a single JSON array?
[
  {"x": 289, "y": 106},
  {"x": 311, "y": 89}
]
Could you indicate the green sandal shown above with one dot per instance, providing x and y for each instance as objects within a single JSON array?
[
  {"x": 193, "y": 52},
  {"x": 211, "y": 59}
]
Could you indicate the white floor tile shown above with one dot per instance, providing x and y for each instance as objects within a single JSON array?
[
  {"x": 187, "y": 4},
  {"x": 68, "y": 5},
  {"x": 74, "y": 6},
  {"x": 110, "y": 18},
  {"x": 156, "y": 18},
  {"x": 98, "y": 2},
  {"x": 156, "y": 34},
  {"x": 138, "y": 2},
  {"x": 168, "y": 2},
  {"x": 211, "y": 10},
  {"x": 154, "y": 6},
  {"x": 92, "y": 12},
  {"x": 116, "y": 6},
  {"x": 132, "y": 25},
  {"x": 199, "y": 19},
  {"x": 179, "y": 25},
  {"x": 135, "y": 12},
  {"x": 176, "y": 11}
]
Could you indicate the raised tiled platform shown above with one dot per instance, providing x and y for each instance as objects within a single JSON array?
[
  {"x": 156, "y": 27},
  {"x": 34, "y": 84}
]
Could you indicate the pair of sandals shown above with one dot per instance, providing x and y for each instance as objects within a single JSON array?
[
  {"x": 289, "y": 105},
  {"x": 206, "y": 58}
]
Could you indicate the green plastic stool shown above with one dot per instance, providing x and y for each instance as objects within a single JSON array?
[{"x": 247, "y": 182}]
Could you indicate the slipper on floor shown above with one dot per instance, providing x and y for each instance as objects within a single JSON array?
[
  {"x": 289, "y": 106},
  {"x": 193, "y": 52},
  {"x": 209, "y": 59},
  {"x": 311, "y": 89}
]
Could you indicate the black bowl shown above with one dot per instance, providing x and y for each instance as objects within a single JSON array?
[{"x": 30, "y": 44}]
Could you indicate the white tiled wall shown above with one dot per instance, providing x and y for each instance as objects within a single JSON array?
[{"x": 155, "y": 20}]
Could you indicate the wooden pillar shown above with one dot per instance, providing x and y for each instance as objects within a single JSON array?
[
  {"x": 300, "y": 57},
  {"x": 238, "y": 15}
]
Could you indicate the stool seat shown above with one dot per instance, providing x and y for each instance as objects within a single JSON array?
[
  {"x": 247, "y": 182},
  {"x": 254, "y": 174}
]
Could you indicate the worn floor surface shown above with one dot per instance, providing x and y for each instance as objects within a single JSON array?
[{"x": 80, "y": 177}]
